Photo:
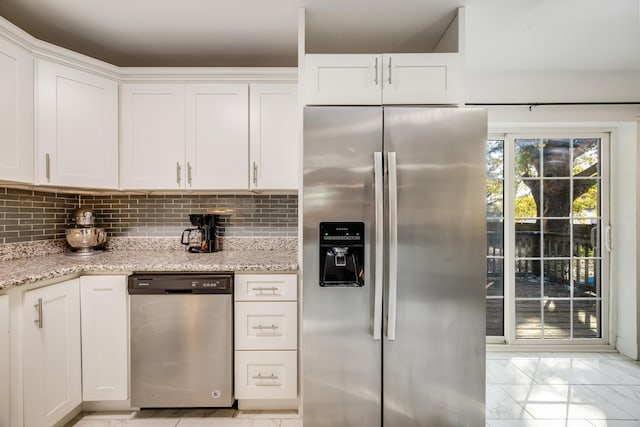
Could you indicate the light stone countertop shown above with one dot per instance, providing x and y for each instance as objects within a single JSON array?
[{"x": 30, "y": 270}]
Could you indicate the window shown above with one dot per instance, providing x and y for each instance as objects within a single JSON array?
[{"x": 545, "y": 278}]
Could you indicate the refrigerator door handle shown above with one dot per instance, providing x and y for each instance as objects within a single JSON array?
[
  {"x": 378, "y": 184},
  {"x": 393, "y": 246}
]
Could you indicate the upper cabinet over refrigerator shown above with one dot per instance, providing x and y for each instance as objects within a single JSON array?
[{"x": 403, "y": 78}]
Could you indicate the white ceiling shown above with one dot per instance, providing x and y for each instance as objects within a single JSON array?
[{"x": 501, "y": 34}]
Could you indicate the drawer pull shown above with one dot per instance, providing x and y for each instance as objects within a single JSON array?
[
  {"x": 260, "y": 377},
  {"x": 274, "y": 327},
  {"x": 272, "y": 289}
]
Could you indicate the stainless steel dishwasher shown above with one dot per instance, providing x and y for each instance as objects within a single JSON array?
[{"x": 181, "y": 332}]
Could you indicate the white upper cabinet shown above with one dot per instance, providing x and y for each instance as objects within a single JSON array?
[
  {"x": 76, "y": 127},
  {"x": 16, "y": 113},
  {"x": 152, "y": 153},
  {"x": 363, "y": 79},
  {"x": 217, "y": 136},
  {"x": 177, "y": 136},
  {"x": 421, "y": 78},
  {"x": 274, "y": 136},
  {"x": 342, "y": 79}
]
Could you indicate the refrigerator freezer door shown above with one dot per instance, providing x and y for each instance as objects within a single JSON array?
[
  {"x": 341, "y": 360},
  {"x": 434, "y": 370}
]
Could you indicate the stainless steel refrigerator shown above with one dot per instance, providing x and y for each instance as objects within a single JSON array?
[{"x": 394, "y": 267}]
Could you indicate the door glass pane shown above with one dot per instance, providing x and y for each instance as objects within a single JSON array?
[
  {"x": 527, "y": 157},
  {"x": 528, "y": 279},
  {"x": 495, "y": 277},
  {"x": 557, "y": 319},
  {"x": 495, "y": 197},
  {"x": 527, "y": 197},
  {"x": 586, "y": 319},
  {"x": 557, "y": 157},
  {"x": 586, "y": 157},
  {"x": 528, "y": 319},
  {"x": 556, "y": 278},
  {"x": 586, "y": 198},
  {"x": 586, "y": 238},
  {"x": 528, "y": 239},
  {"x": 586, "y": 278},
  {"x": 495, "y": 316}
]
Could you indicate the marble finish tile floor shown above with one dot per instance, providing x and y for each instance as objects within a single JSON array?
[
  {"x": 523, "y": 390},
  {"x": 562, "y": 389}
]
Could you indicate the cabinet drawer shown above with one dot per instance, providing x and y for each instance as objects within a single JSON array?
[
  {"x": 266, "y": 375},
  {"x": 266, "y": 287},
  {"x": 266, "y": 325}
]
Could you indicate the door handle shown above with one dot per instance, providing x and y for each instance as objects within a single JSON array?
[
  {"x": 378, "y": 184},
  {"x": 376, "y": 72},
  {"x": 38, "y": 307},
  {"x": 393, "y": 246},
  {"x": 47, "y": 166}
]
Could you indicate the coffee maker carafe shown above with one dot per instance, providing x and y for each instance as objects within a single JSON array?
[{"x": 203, "y": 238}]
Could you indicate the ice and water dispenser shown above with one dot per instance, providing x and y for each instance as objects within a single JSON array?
[{"x": 342, "y": 254}]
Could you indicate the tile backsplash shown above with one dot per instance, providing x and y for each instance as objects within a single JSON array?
[{"x": 30, "y": 215}]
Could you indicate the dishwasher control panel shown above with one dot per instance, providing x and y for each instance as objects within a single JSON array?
[{"x": 169, "y": 283}]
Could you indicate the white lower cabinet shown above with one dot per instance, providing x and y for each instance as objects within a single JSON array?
[
  {"x": 266, "y": 341},
  {"x": 266, "y": 374},
  {"x": 104, "y": 338},
  {"x": 51, "y": 348},
  {"x": 4, "y": 361}
]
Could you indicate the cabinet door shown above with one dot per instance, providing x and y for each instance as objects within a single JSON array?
[
  {"x": 343, "y": 79},
  {"x": 51, "y": 340},
  {"x": 16, "y": 113},
  {"x": 273, "y": 133},
  {"x": 4, "y": 361},
  {"x": 217, "y": 136},
  {"x": 104, "y": 337},
  {"x": 77, "y": 127},
  {"x": 152, "y": 149},
  {"x": 421, "y": 78}
]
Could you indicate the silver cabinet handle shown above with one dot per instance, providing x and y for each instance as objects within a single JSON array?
[
  {"x": 47, "y": 166},
  {"x": 255, "y": 173},
  {"x": 273, "y": 288},
  {"x": 178, "y": 173},
  {"x": 260, "y": 327},
  {"x": 389, "y": 75},
  {"x": 261, "y": 377},
  {"x": 38, "y": 307},
  {"x": 376, "y": 72},
  {"x": 189, "y": 181},
  {"x": 378, "y": 180},
  {"x": 607, "y": 238},
  {"x": 393, "y": 246}
]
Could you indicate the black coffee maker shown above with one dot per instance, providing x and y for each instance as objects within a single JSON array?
[{"x": 204, "y": 238}]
